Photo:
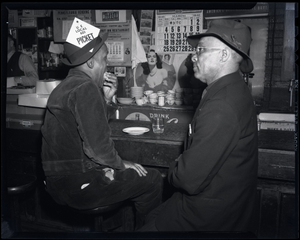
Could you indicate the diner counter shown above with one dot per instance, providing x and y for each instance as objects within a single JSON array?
[
  {"x": 175, "y": 133},
  {"x": 276, "y": 148}
]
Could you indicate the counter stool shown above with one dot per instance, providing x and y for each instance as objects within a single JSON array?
[
  {"x": 98, "y": 212},
  {"x": 17, "y": 185}
]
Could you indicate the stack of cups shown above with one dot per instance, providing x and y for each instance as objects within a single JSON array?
[
  {"x": 170, "y": 97},
  {"x": 153, "y": 98},
  {"x": 137, "y": 92},
  {"x": 146, "y": 95},
  {"x": 161, "y": 94},
  {"x": 148, "y": 92},
  {"x": 178, "y": 96}
]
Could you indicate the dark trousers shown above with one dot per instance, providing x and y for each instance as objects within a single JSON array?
[
  {"x": 145, "y": 192},
  {"x": 149, "y": 225}
]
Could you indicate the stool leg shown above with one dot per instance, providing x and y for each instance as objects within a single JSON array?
[
  {"x": 15, "y": 210},
  {"x": 99, "y": 223}
]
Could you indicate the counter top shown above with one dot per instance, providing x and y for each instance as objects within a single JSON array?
[
  {"x": 176, "y": 133},
  {"x": 276, "y": 148}
]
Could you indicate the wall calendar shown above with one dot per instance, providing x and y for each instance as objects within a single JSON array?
[{"x": 174, "y": 26}]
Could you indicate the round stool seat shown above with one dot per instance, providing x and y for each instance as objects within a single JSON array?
[
  {"x": 99, "y": 210},
  {"x": 20, "y": 183},
  {"x": 98, "y": 213}
]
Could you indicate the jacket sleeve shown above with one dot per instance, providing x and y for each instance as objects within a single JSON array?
[
  {"x": 215, "y": 134},
  {"x": 91, "y": 116}
]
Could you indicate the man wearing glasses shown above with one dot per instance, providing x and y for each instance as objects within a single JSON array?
[{"x": 216, "y": 175}]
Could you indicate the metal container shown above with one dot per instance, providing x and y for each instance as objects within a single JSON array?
[{"x": 161, "y": 101}]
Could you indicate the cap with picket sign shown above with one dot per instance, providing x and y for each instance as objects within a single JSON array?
[{"x": 82, "y": 43}]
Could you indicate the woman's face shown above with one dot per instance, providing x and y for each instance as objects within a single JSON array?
[{"x": 152, "y": 59}]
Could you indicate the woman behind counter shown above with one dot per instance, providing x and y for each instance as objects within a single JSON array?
[{"x": 154, "y": 76}]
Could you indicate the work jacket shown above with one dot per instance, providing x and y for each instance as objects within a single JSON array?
[
  {"x": 216, "y": 175},
  {"x": 76, "y": 133}
]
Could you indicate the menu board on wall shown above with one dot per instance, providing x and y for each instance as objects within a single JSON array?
[
  {"x": 118, "y": 43},
  {"x": 63, "y": 19},
  {"x": 172, "y": 28}
]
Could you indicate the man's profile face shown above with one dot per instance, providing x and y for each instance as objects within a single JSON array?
[
  {"x": 101, "y": 67},
  {"x": 205, "y": 64}
]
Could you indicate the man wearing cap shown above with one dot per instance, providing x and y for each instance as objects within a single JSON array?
[
  {"x": 82, "y": 168},
  {"x": 216, "y": 175}
]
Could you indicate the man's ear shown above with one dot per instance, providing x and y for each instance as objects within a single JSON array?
[
  {"x": 90, "y": 63},
  {"x": 225, "y": 54}
]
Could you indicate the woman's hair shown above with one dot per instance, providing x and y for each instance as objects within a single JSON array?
[
  {"x": 145, "y": 65},
  {"x": 189, "y": 65}
]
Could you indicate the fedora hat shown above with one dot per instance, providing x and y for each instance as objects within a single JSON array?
[
  {"x": 75, "y": 56},
  {"x": 234, "y": 34}
]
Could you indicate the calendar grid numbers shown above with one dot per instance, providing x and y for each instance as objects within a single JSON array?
[{"x": 173, "y": 29}]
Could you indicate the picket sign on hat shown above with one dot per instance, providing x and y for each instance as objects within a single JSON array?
[
  {"x": 234, "y": 34},
  {"x": 82, "y": 43}
]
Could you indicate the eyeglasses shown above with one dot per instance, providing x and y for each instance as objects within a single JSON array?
[{"x": 200, "y": 50}]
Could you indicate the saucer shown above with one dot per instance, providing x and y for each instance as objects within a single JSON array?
[{"x": 136, "y": 130}]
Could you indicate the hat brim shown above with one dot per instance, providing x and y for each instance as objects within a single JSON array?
[
  {"x": 246, "y": 66},
  {"x": 83, "y": 54}
]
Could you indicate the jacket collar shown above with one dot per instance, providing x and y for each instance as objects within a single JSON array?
[
  {"x": 219, "y": 84},
  {"x": 77, "y": 72},
  {"x": 215, "y": 87}
]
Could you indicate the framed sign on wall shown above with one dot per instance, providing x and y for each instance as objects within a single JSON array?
[{"x": 110, "y": 16}]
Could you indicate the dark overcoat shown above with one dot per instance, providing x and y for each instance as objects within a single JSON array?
[{"x": 216, "y": 176}]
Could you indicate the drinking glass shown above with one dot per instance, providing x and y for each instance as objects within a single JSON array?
[{"x": 158, "y": 125}]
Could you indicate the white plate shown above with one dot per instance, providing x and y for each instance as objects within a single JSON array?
[{"x": 136, "y": 130}]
